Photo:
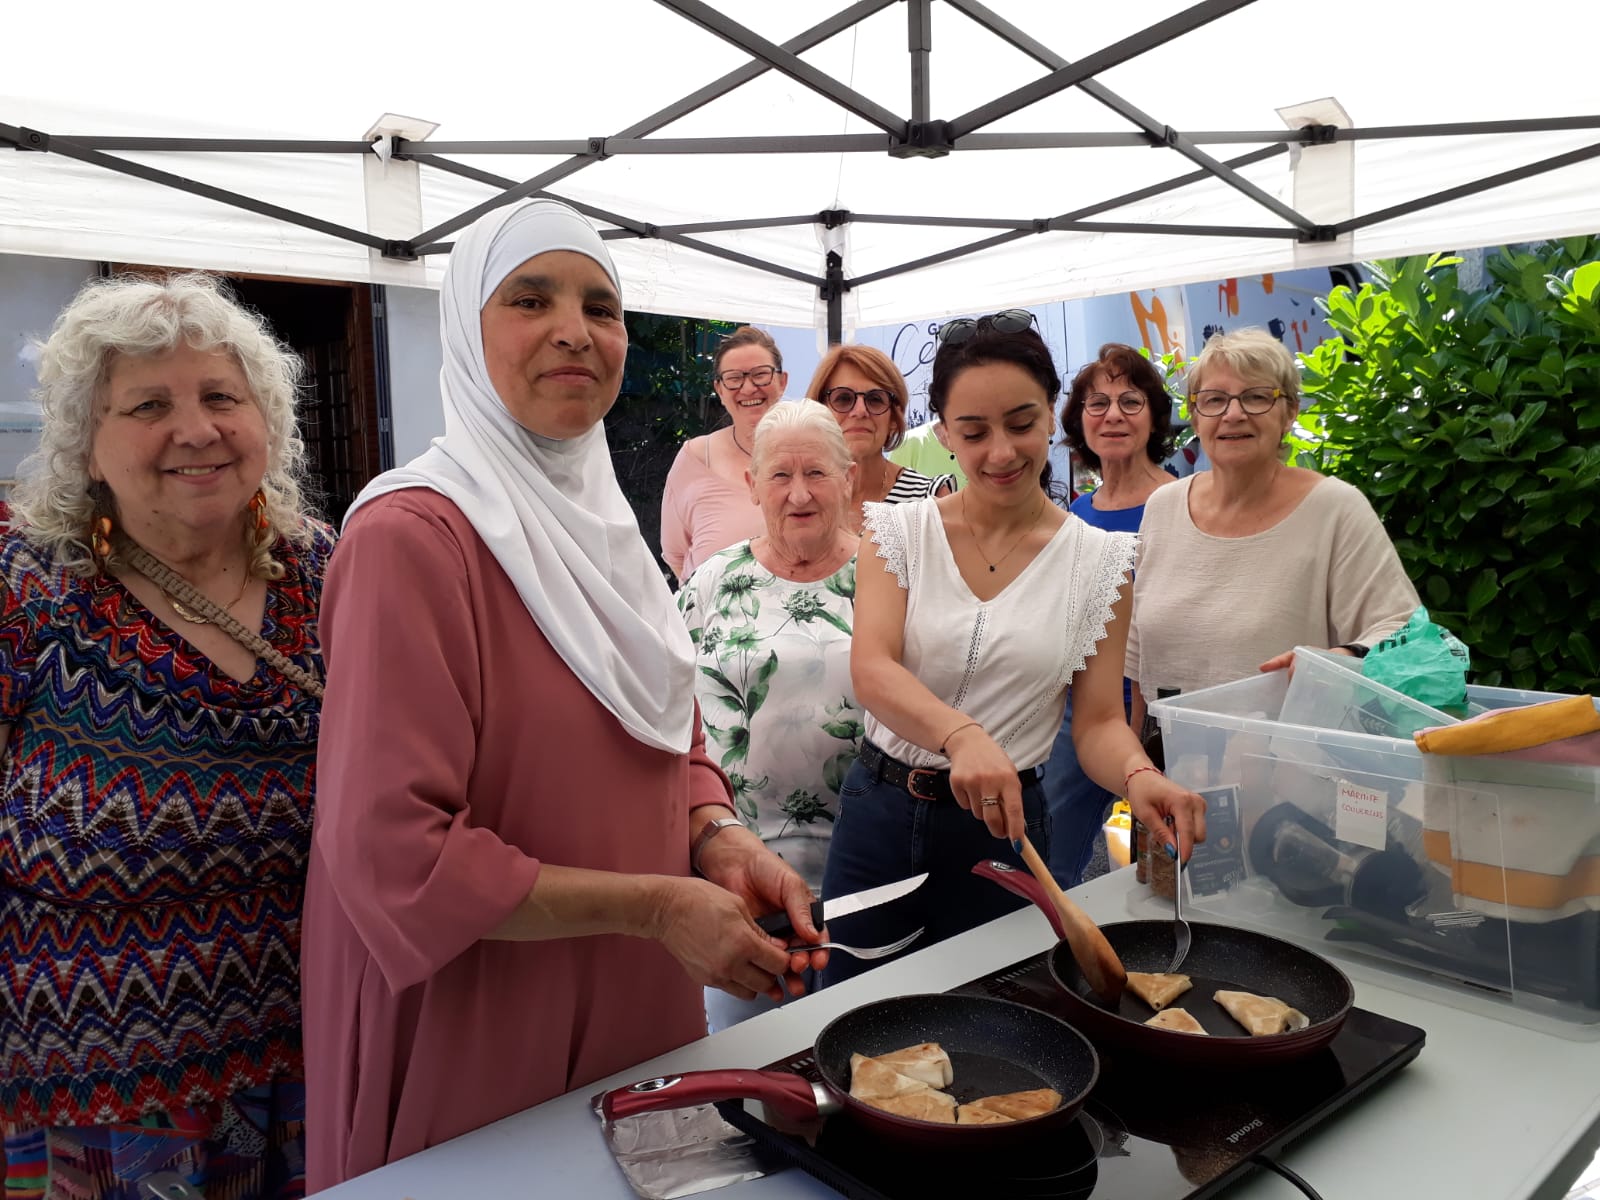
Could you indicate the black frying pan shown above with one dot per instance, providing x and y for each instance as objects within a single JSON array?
[
  {"x": 1220, "y": 957},
  {"x": 995, "y": 1046}
]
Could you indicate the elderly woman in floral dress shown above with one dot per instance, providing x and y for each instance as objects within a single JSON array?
[{"x": 770, "y": 618}]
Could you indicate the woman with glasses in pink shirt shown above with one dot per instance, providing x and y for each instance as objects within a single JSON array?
[{"x": 706, "y": 505}]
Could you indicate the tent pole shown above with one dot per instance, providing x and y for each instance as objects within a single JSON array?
[
  {"x": 919, "y": 39},
  {"x": 380, "y": 362},
  {"x": 775, "y": 56},
  {"x": 688, "y": 104},
  {"x": 833, "y": 293}
]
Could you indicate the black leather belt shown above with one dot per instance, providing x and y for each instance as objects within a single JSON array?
[{"x": 924, "y": 783}]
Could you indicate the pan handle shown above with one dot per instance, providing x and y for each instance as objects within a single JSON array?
[
  {"x": 784, "y": 1091},
  {"x": 1024, "y": 885}
]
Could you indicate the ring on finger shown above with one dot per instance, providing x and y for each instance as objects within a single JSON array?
[{"x": 990, "y": 801}]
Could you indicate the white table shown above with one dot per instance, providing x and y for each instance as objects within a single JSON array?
[{"x": 1488, "y": 1111}]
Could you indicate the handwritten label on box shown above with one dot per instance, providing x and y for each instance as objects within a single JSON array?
[{"x": 1361, "y": 815}]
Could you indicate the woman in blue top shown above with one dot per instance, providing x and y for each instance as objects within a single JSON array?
[{"x": 1118, "y": 420}]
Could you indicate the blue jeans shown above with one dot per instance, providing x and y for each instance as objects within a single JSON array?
[
  {"x": 883, "y": 834},
  {"x": 1077, "y": 806}
]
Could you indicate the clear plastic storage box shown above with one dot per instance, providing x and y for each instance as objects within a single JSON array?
[{"x": 1328, "y": 826}]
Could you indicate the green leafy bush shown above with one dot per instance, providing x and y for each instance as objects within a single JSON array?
[{"x": 1471, "y": 419}]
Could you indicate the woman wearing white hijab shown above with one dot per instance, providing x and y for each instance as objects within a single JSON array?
[{"x": 512, "y": 783}]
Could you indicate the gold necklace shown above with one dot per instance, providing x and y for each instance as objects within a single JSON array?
[
  {"x": 972, "y": 532},
  {"x": 188, "y": 614}
]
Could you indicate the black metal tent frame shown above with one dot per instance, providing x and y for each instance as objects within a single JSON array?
[{"x": 920, "y": 135}]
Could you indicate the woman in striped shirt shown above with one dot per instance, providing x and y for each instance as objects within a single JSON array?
[{"x": 868, "y": 397}]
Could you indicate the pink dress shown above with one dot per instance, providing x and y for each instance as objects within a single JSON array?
[
  {"x": 702, "y": 513},
  {"x": 458, "y": 752}
]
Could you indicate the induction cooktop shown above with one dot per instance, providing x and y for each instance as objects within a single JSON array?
[{"x": 1141, "y": 1136}]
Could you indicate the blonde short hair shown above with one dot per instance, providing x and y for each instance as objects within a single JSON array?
[
  {"x": 54, "y": 502},
  {"x": 799, "y": 416},
  {"x": 1252, "y": 354}
]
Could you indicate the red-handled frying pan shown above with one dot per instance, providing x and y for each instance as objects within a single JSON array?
[
  {"x": 1220, "y": 957},
  {"x": 995, "y": 1047}
]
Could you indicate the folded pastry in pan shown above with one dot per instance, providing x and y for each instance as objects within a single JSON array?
[
  {"x": 1158, "y": 991},
  {"x": 1011, "y": 1106},
  {"x": 976, "y": 1114},
  {"x": 872, "y": 1081},
  {"x": 1179, "y": 1020},
  {"x": 926, "y": 1105},
  {"x": 1262, "y": 1016},
  {"x": 926, "y": 1061}
]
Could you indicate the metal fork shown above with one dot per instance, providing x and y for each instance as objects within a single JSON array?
[
  {"x": 1180, "y": 928},
  {"x": 861, "y": 951}
]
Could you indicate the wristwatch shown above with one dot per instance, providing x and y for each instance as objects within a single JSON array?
[{"x": 708, "y": 831}]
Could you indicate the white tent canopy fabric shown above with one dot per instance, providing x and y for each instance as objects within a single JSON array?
[{"x": 96, "y": 70}]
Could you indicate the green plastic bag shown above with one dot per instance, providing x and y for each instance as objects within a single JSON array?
[{"x": 1424, "y": 661}]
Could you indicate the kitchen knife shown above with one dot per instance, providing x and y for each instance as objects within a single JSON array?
[{"x": 824, "y": 911}]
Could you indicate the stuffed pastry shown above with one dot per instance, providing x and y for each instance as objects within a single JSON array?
[
  {"x": 1179, "y": 1020},
  {"x": 976, "y": 1114},
  {"x": 927, "y": 1062},
  {"x": 926, "y": 1105},
  {"x": 1158, "y": 991},
  {"x": 872, "y": 1081},
  {"x": 1019, "y": 1106},
  {"x": 1261, "y": 1015}
]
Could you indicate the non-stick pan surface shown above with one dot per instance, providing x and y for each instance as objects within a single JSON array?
[
  {"x": 1220, "y": 958},
  {"x": 995, "y": 1047}
]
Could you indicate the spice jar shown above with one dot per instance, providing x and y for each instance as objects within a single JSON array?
[{"x": 1163, "y": 870}]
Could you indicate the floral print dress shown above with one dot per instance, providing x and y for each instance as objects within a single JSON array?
[{"x": 775, "y": 698}]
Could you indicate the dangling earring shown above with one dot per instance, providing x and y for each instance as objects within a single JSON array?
[
  {"x": 100, "y": 540},
  {"x": 261, "y": 528}
]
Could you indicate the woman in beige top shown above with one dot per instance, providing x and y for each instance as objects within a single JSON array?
[
  {"x": 1241, "y": 563},
  {"x": 706, "y": 504}
]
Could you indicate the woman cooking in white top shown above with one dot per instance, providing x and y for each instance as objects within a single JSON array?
[{"x": 974, "y": 614}]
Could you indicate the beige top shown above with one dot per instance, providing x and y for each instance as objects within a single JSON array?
[{"x": 1209, "y": 610}]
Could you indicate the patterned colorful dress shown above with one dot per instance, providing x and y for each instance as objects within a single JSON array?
[
  {"x": 775, "y": 697},
  {"x": 155, "y": 817}
]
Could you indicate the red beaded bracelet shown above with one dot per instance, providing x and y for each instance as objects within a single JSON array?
[{"x": 1134, "y": 772}]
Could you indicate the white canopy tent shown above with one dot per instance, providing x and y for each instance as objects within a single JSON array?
[{"x": 1018, "y": 152}]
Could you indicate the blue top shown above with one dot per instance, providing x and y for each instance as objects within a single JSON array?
[{"x": 1116, "y": 520}]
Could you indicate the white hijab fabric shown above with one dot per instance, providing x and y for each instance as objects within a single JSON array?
[{"x": 551, "y": 512}]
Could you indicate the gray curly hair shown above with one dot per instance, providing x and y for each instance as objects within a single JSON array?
[{"x": 54, "y": 503}]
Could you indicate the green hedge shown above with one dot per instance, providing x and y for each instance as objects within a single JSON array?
[{"x": 1471, "y": 419}]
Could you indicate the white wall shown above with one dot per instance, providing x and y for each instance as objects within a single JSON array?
[
  {"x": 32, "y": 292},
  {"x": 414, "y": 361}
]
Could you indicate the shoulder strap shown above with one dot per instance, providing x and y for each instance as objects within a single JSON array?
[{"x": 169, "y": 581}]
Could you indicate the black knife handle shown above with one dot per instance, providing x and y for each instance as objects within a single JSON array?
[{"x": 779, "y": 926}]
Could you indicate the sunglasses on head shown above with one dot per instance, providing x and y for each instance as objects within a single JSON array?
[{"x": 1007, "y": 320}]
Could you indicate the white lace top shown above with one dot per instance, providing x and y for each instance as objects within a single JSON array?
[{"x": 1005, "y": 662}]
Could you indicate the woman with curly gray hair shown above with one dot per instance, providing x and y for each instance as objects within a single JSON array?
[{"x": 159, "y": 701}]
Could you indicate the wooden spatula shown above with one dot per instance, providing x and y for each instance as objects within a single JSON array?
[{"x": 1095, "y": 957}]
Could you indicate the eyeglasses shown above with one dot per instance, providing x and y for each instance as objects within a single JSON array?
[
  {"x": 1010, "y": 320},
  {"x": 734, "y": 380},
  {"x": 1255, "y": 401},
  {"x": 843, "y": 400},
  {"x": 1098, "y": 403}
]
